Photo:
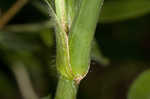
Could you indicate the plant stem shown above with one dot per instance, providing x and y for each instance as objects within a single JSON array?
[
  {"x": 67, "y": 89},
  {"x": 73, "y": 40}
]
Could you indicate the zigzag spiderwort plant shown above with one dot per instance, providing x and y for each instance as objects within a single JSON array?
[{"x": 76, "y": 22}]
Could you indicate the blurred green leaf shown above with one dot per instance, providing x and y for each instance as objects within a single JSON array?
[
  {"x": 40, "y": 7},
  {"x": 47, "y": 37},
  {"x": 19, "y": 41},
  {"x": 97, "y": 55},
  {"x": 140, "y": 89},
  {"x": 32, "y": 27},
  {"x": 123, "y": 9}
]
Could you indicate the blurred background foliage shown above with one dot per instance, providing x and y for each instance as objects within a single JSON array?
[{"x": 120, "y": 55}]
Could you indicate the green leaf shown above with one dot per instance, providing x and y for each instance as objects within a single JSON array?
[
  {"x": 97, "y": 55},
  {"x": 47, "y": 37},
  {"x": 32, "y": 27},
  {"x": 19, "y": 41},
  {"x": 81, "y": 36},
  {"x": 119, "y": 10},
  {"x": 140, "y": 88}
]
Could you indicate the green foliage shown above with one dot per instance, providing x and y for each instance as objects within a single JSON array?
[
  {"x": 81, "y": 34},
  {"x": 140, "y": 88},
  {"x": 48, "y": 37},
  {"x": 97, "y": 55},
  {"x": 118, "y": 10},
  {"x": 30, "y": 40},
  {"x": 17, "y": 41},
  {"x": 74, "y": 35},
  {"x": 73, "y": 61}
]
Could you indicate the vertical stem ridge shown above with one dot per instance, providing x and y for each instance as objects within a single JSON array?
[{"x": 61, "y": 13}]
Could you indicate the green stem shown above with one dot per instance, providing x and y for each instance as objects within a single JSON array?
[{"x": 66, "y": 89}]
